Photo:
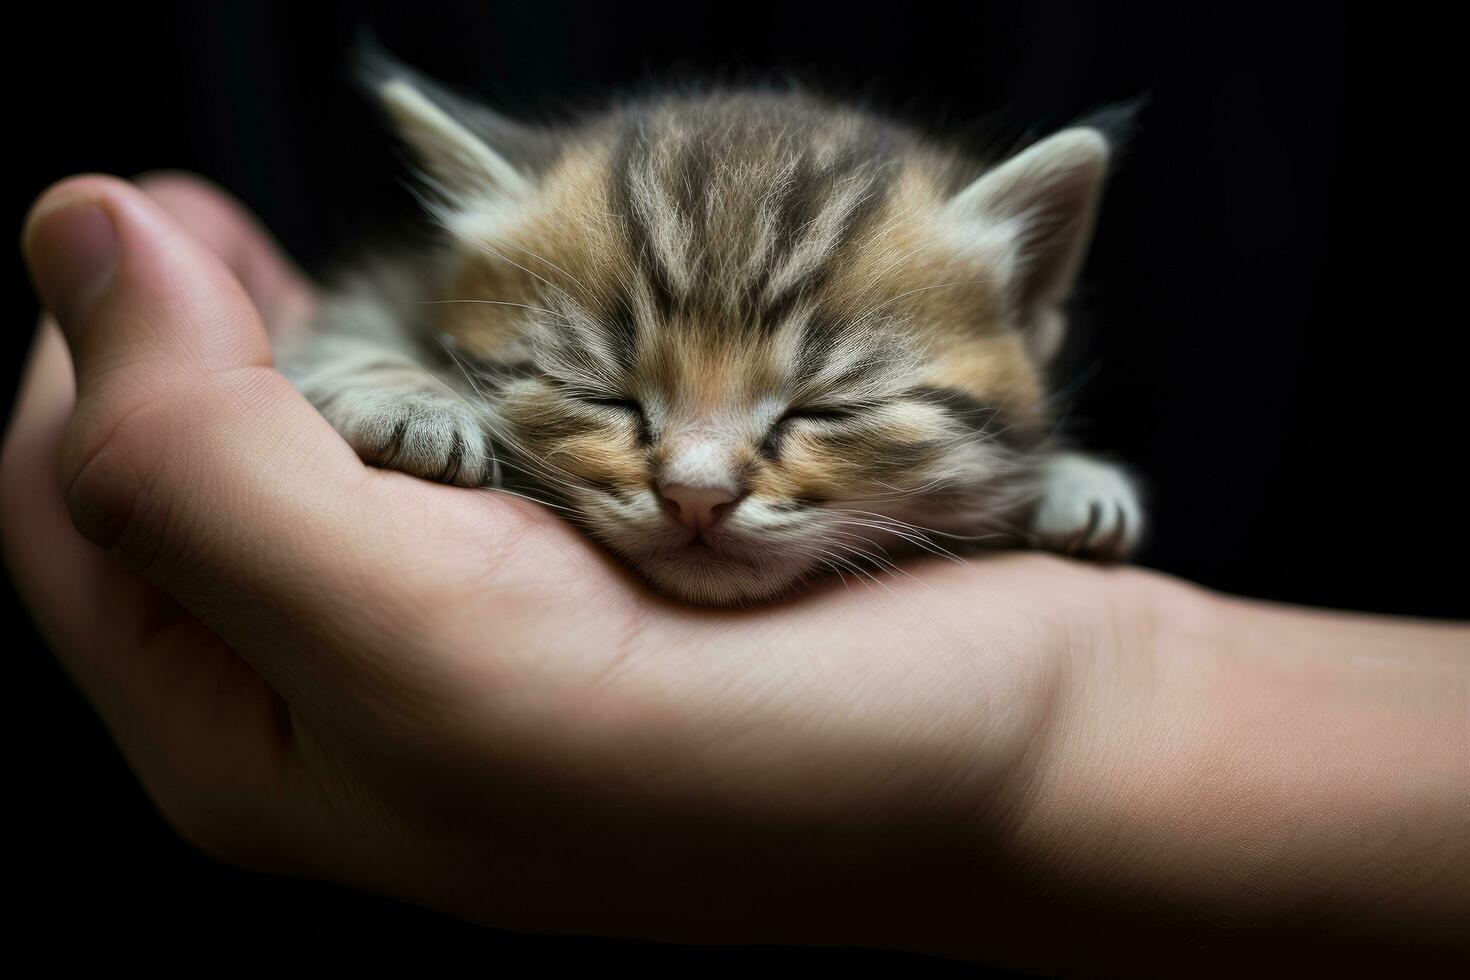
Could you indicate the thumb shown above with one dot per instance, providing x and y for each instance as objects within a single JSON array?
[
  {"x": 187, "y": 456},
  {"x": 128, "y": 285},
  {"x": 149, "y": 317}
]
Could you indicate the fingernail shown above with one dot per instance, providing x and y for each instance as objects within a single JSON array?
[{"x": 72, "y": 249}]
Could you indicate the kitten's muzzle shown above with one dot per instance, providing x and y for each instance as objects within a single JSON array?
[{"x": 698, "y": 508}]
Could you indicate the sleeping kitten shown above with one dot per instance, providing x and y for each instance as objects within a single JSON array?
[{"x": 740, "y": 338}]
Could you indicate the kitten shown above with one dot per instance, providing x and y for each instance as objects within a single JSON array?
[{"x": 741, "y": 338}]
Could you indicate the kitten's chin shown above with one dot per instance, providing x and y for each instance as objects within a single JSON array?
[{"x": 707, "y": 577}]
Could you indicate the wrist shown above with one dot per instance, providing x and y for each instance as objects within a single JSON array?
[{"x": 1228, "y": 775}]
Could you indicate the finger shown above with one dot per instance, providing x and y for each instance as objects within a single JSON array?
[
  {"x": 120, "y": 275},
  {"x": 188, "y": 457},
  {"x": 279, "y": 290},
  {"x": 194, "y": 721}
]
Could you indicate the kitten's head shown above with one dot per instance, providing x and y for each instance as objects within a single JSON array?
[{"x": 746, "y": 337}]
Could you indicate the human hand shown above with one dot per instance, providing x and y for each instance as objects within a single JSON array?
[
  {"x": 448, "y": 694},
  {"x": 325, "y": 669}
]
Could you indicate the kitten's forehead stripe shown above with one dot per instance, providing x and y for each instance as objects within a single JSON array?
[
  {"x": 737, "y": 211},
  {"x": 635, "y": 213}
]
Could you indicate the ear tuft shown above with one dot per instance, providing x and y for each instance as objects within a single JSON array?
[
  {"x": 1117, "y": 121},
  {"x": 443, "y": 130},
  {"x": 1038, "y": 208}
]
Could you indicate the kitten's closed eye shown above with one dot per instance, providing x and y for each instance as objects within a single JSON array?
[
  {"x": 819, "y": 413},
  {"x": 628, "y": 409},
  {"x": 628, "y": 405},
  {"x": 838, "y": 353}
]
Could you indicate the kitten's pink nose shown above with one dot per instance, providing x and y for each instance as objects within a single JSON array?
[{"x": 697, "y": 508}]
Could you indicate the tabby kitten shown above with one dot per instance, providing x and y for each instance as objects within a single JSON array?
[{"x": 741, "y": 338}]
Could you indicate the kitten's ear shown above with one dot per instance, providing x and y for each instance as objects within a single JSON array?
[
  {"x": 454, "y": 138},
  {"x": 1034, "y": 214}
]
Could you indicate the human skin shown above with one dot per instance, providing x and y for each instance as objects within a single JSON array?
[{"x": 323, "y": 669}]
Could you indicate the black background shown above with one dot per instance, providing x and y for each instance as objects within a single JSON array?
[{"x": 1273, "y": 332}]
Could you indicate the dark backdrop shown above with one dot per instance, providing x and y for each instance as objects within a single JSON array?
[{"x": 1274, "y": 337}]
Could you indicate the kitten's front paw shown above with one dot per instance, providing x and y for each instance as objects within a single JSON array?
[
  {"x": 432, "y": 435},
  {"x": 1087, "y": 508}
]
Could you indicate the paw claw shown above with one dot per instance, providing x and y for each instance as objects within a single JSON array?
[
  {"x": 431, "y": 435},
  {"x": 1087, "y": 509}
]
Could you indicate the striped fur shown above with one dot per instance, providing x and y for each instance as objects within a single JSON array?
[{"x": 803, "y": 306}]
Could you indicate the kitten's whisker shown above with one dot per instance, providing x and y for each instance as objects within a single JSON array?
[
  {"x": 865, "y": 547},
  {"x": 490, "y": 302},
  {"x": 915, "y": 528},
  {"x": 827, "y": 564},
  {"x": 915, "y": 541},
  {"x": 883, "y": 563},
  {"x": 874, "y": 578},
  {"x": 501, "y": 239},
  {"x": 534, "y": 500},
  {"x": 504, "y": 258},
  {"x": 920, "y": 537},
  {"x": 863, "y": 575},
  {"x": 541, "y": 475},
  {"x": 919, "y": 489},
  {"x": 918, "y": 541},
  {"x": 900, "y": 493}
]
